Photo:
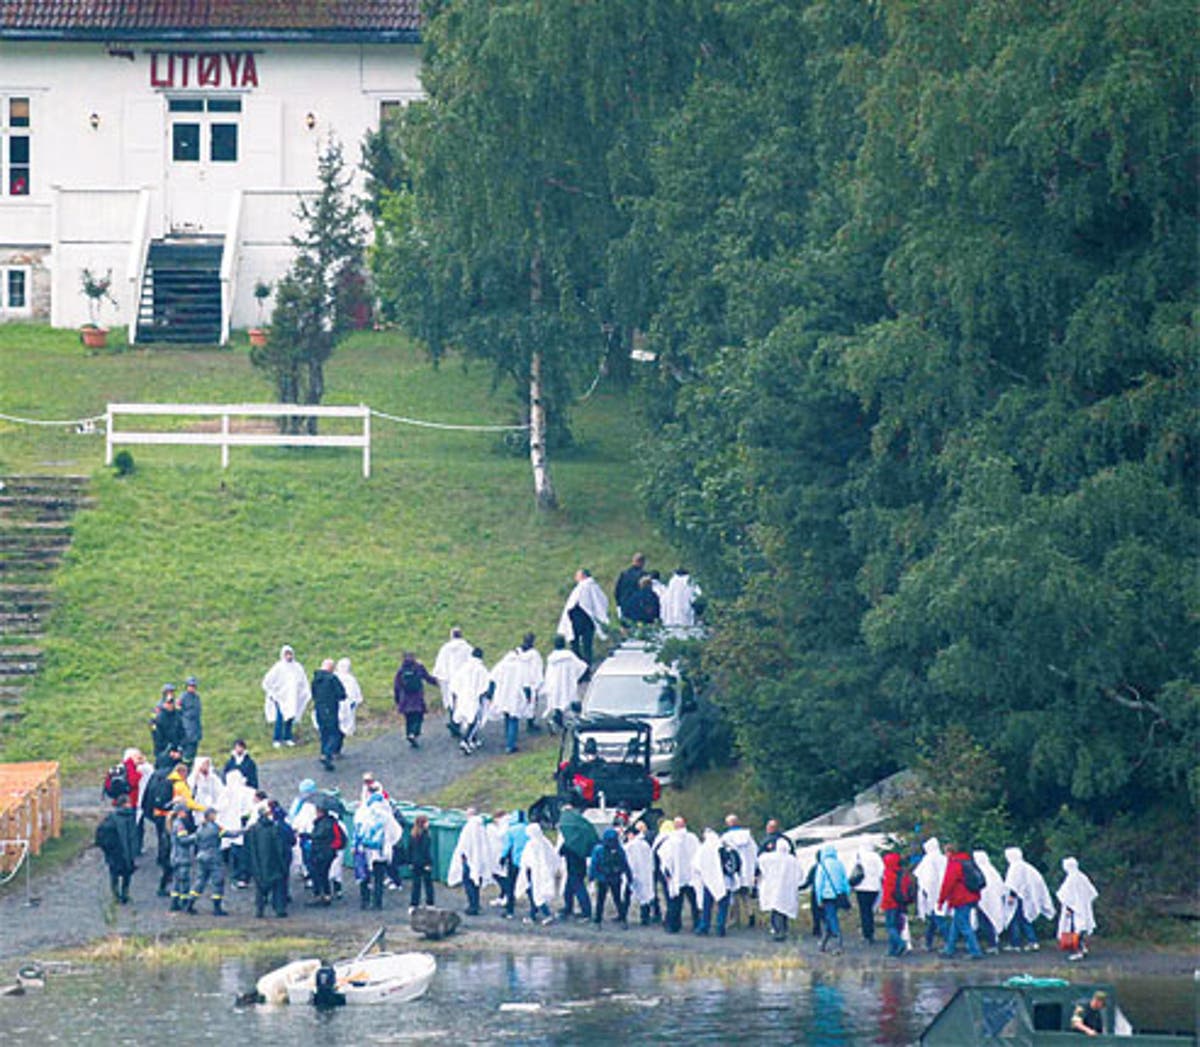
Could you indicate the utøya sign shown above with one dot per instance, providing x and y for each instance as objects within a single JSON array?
[{"x": 226, "y": 69}]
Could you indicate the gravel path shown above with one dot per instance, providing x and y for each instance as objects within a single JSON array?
[{"x": 75, "y": 906}]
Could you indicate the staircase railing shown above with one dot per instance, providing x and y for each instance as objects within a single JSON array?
[
  {"x": 135, "y": 266},
  {"x": 229, "y": 264}
]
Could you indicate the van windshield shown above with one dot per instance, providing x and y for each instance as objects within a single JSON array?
[{"x": 631, "y": 696}]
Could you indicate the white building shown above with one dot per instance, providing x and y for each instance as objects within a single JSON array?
[{"x": 168, "y": 141}]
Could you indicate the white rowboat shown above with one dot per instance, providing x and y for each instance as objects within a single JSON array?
[{"x": 385, "y": 978}]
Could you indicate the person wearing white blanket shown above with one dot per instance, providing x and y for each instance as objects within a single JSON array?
[
  {"x": 537, "y": 873},
  {"x": 677, "y": 857},
  {"x": 472, "y": 862},
  {"x": 471, "y": 689},
  {"x": 779, "y": 889},
  {"x": 641, "y": 871},
  {"x": 451, "y": 657},
  {"x": 930, "y": 872},
  {"x": 708, "y": 874},
  {"x": 737, "y": 837},
  {"x": 678, "y": 602},
  {"x": 564, "y": 670},
  {"x": 286, "y": 692},
  {"x": 1031, "y": 899},
  {"x": 348, "y": 707},
  {"x": 1077, "y": 894},
  {"x": 994, "y": 909},
  {"x": 584, "y": 615}
]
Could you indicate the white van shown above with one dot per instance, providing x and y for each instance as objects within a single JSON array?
[{"x": 632, "y": 682}]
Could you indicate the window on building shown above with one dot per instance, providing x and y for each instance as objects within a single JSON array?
[
  {"x": 205, "y": 129},
  {"x": 14, "y": 290},
  {"x": 389, "y": 109},
  {"x": 15, "y": 145}
]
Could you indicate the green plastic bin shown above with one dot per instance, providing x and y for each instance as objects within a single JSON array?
[{"x": 446, "y": 829}]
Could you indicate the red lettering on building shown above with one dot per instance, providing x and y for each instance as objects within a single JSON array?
[
  {"x": 249, "y": 71},
  {"x": 229, "y": 69},
  {"x": 162, "y": 80},
  {"x": 208, "y": 70}
]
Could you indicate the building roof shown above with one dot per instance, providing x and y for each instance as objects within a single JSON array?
[{"x": 194, "y": 21}]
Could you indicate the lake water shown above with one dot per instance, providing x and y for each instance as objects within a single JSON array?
[{"x": 583, "y": 999}]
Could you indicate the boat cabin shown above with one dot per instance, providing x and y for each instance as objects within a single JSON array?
[{"x": 1032, "y": 1012}]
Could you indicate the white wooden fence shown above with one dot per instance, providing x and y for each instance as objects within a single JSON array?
[{"x": 226, "y": 439}]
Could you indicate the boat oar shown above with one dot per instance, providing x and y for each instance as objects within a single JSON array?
[{"x": 376, "y": 937}]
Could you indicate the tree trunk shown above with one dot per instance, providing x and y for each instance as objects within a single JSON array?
[
  {"x": 543, "y": 487},
  {"x": 315, "y": 391}
]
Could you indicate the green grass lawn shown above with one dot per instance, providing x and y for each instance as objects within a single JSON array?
[{"x": 184, "y": 568}]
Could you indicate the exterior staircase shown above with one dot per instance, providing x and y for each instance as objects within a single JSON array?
[
  {"x": 181, "y": 293},
  {"x": 35, "y": 533}
]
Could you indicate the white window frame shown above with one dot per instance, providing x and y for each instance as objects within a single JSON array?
[
  {"x": 6, "y": 309},
  {"x": 5, "y": 132}
]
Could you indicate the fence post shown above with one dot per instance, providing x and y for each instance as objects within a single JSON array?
[
  {"x": 108, "y": 428},
  {"x": 225, "y": 442},
  {"x": 366, "y": 441}
]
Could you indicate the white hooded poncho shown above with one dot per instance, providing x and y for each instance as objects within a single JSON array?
[
  {"x": 348, "y": 707},
  {"x": 373, "y": 813},
  {"x": 641, "y": 868},
  {"x": 706, "y": 866},
  {"x": 451, "y": 656},
  {"x": 1027, "y": 885},
  {"x": 236, "y": 803},
  {"x": 475, "y": 845},
  {"x": 205, "y": 784},
  {"x": 590, "y": 597},
  {"x": 563, "y": 670},
  {"x": 533, "y": 680},
  {"x": 539, "y": 866},
  {"x": 779, "y": 883},
  {"x": 993, "y": 899},
  {"x": 867, "y": 858},
  {"x": 1077, "y": 894},
  {"x": 677, "y": 856},
  {"x": 740, "y": 840},
  {"x": 510, "y": 674},
  {"x": 676, "y": 605},
  {"x": 286, "y": 687},
  {"x": 467, "y": 688},
  {"x": 931, "y": 871}
]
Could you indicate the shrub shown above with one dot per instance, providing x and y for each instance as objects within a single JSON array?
[{"x": 123, "y": 463}]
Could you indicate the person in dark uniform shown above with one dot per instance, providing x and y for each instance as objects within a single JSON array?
[{"x": 1088, "y": 1017}]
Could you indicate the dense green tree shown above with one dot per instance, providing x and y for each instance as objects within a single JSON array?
[
  {"x": 514, "y": 166},
  {"x": 925, "y": 310},
  {"x": 316, "y": 300}
]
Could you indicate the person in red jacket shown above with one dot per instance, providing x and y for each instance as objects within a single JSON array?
[
  {"x": 961, "y": 901},
  {"x": 891, "y": 902}
]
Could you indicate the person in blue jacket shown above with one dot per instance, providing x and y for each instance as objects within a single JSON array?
[
  {"x": 830, "y": 884},
  {"x": 608, "y": 869},
  {"x": 510, "y": 859}
]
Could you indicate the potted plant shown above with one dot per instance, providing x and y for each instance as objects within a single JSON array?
[
  {"x": 96, "y": 288},
  {"x": 262, "y": 291}
]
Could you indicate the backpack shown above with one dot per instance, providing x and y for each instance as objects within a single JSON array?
[
  {"x": 106, "y": 836},
  {"x": 973, "y": 878},
  {"x": 905, "y": 891},
  {"x": 731, "y": 861},
  {"x": 159, "y": 792},
  {"x": 410, "y": 678},
  {"x": 371, "y": 835},
  {"x": 610, "y": 863},
  {"x": 116, "y": 782},
  {"x": 339, "y": 836}
]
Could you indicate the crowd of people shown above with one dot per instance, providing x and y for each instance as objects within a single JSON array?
[
  {"x": 216, "y": 827},
  {"x": 212, "y": 828}
]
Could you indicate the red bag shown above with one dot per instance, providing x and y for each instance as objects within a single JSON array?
[
  {"x": 1070, "y": 941},
  {"x": 339, "y": 835}
]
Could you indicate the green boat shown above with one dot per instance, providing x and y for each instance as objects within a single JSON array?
[{"x": 1033, "y": 1012}]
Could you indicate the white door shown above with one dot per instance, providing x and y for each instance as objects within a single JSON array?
[{"x": 203, "y": 151}]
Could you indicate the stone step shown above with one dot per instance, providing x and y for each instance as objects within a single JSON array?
[
  {"x": 9, "y": 716},
  {"x": 43, "y": 484},
  {"x": 20, "y": 622},
  {"x": 11, "y": 567},
  {"x": 19, "y": 667},
  {"x": 34, "y": 538},
  {"x": 23, "y": 604},
  {"x": 34, "y": 553},
  {"x": 42, "y": 508}
]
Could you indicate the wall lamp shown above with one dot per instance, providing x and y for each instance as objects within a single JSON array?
[
  {"x": 310, "y": 121},
  {"x": 94, "y": 120}
]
